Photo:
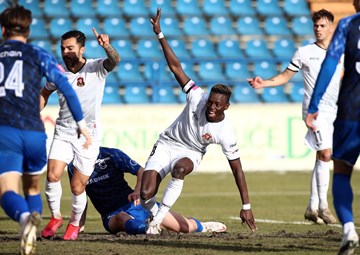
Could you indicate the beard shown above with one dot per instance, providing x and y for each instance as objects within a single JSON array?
[{"x": 71, "y": 60}]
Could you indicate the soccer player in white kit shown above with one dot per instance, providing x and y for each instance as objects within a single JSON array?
[
  {"x": 87, "y": 77},
  {"x": 308, "y": 58},
  {"x": 181, "y": 146}
]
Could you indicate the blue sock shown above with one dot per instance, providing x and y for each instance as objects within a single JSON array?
[
  {"x": 343, "y": 197},
  {"x": 134, "y": 227},
  {"x": 199, "y": 225},
  {"x": 34, "y": 202},
  {"x": 14, "y": 205}
]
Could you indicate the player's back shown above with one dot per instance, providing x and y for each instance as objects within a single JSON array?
[{"x": 22, "y": 67}]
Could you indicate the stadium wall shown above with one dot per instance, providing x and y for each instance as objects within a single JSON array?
[{"x": 270, "y": 136}]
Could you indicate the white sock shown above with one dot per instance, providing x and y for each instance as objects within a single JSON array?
[
  {"x": 171, "y": 194},
  {"x": 78, "y": 207},
  {"x": 314, "y": 197},
  {"x": 23, "y": 220},
  {"x": 348, "y": 226},
  {"x": 53, "y": 192},
  {"x": 323, "y": 179},
  {"x": 150, "y": 205}
]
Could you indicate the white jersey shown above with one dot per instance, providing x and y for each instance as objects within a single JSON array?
[
  {"x": 309, "y": 58},
  {"x": 88, "y": 83},
  {"x": 192, "y": 130}
]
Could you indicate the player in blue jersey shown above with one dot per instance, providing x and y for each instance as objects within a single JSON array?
[
  {"x": 346, "y": 137},
  {"x": 22, "y": 135},
  {"x": 119, "y": 205}
]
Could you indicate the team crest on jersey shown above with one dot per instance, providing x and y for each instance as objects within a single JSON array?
[
  {"x": 207, "y": 136},
  {"x": 80, "y": 82}
]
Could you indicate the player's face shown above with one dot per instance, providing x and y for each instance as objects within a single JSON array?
[
  {"x": 71, "y": 52},
  {"x": 323, "y": 29},
  {"x": 215, "y": 107}
]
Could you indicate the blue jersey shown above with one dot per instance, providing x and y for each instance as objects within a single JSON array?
[
  {"x": 107, "y": 187},
  {"x": 22, "y": 67},
  {"x": 345, "y": 40}
]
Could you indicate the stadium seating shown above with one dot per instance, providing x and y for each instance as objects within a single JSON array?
[
  {"x": 85, "y": 25},
  {"x": 265, "y": 69},
  {"x": 268, "y": 7},
  {"x": 108, "y": 8},
  {"x": 59, "y": 26},
  {"x": 115, "y": 27},
  {"x": 188, "y": 8},
  {"x": 45, "y": 44},
  {"x": 141, "y": 27},
  {"x": 38, "y": 29},
  {"x": 33, "y": 5},
  {"x": 276, "y": 26},
  {"x": 157, "y": 71},
  {"x": 284, "y": 48},
  {"x": 134, "y": 8},
  {"x": 125, "y": 48},
  {"x": 241, "y": 8},
  {"x": 211, "y": 71},
  {"x": 244, "y": 93},
  {"x": 56, "y": 8},
  {"x": 237, "y": 71},
  {"x": 149, "y": 49},
  {"x": 179, "y": 47},
  {"x": 170, "y": 27},
  {"x": 302, "y": 26},
  {"x": 229, "y": 49},
  {"x": 221, "y": 25},
  {"x": 164, "y": 94},
  {"x": 82, "y": 8},
  {"x": 135, "y": 94},
  {"x": 166, "y": 8},
  {"x": 129, "y": 72},
  {"x": 53, "y": 99},
  {"x": 214, "y": 8},
  {"x": 296, "y": 7},
  {"x": 203, "y": 48},
  {"x": 307, "y": 40},
  {"x": 248, "y": 25},
  {"x": 111, "y": 95},
  {"x": 257, "y": 48},
  {"x": 195, "y": 26},
  {"x": 188, "y": 68},
  {"x": 94, "y": 50},
  {"x": 297, "y": 92},
  {"x": 274, "y": 95}
]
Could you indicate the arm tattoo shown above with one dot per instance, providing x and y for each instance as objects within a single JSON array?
[{"x": 113, "y": 58}]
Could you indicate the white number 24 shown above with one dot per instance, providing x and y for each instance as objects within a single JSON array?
[{"x": 14, "y": 80}]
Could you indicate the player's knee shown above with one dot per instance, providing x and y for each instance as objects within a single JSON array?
[
  {"x": 146, "y": 194},
  {"x": 324, "y": 156},
  {"x": 53, "y": 177},
  {"x": 179, "y": 172}
]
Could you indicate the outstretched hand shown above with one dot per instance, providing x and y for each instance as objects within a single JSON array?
[
  {"x": 103, "y": 39},
  {"x": 256, "y": 82},
  {"x": 247, "y": 218},
  {"x": 156, "y": 22}
]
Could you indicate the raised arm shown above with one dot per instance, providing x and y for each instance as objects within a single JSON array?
[
  {"x": 246, "y": 214},
  {"x": 113, "y": 57},
  {"x": 277, "y": 80},
  {"x": 171, "y": 59}
]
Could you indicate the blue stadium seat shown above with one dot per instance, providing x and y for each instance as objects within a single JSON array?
[
  {"x": 171, "y": 27},
  {"x": 203, "y": 48},
  {"x": 85, "y": 25},
  {"x": 244, "y": 93},
  {"x": 241, "y": 8},
  {"x": 56, "y": 8},
  {"x": 214, "y": 7},
  {"x": 133, "y": 8},
  {"x": 125, "y": 48},
  {"x": 297, "y": 92},
  {"x": 135, "y": 94},
  {"x": 268, "y": 7},
  {"x": 141, "y": 27},
  {"x": 179, "y": 47},
  {"x": 166, "y": 8},
  {"x": 307, "y": 41},
  {"x": 274, "y": 95},
  {"x": 149, "y": 49},
  {"x": 53, "y": 99},
  {"x": 157, "y": 71},
  {"x": 211, "y": 70},
  {"x": 82, "y": 8},
  {"x": 302, "y": 26},
  {"x": 3, "y": 5},
  {"x": 257, "y": 48},
  {"x": 237, "y": 71},
  {"x": 228, "y": 48},
  {"x": 164, "y": 94},
  {"x": 221, "y": 25},
  {"x": 188, "y": 68},
  {"x": 248, "y": 25},
  {"x": 265, "y": 69},
  {"x": 195, "y": 26},
  {"x": 284, "y": 49},
  {"x": 111, "y": 95},
  {"x": 33, "y": 6},
  {"x": 188, "y": 8},
  {"x": 45, "y": 44},
  {"x": 94, "y": 50},
  {"x": 111, "y": 78},
  {"x": 38, "y": 29},
  {"x": 115, "y": 27},
  {"x": 59, "y": 26},
  {"x": 277, "y": 26},
  {"x": 108, "y": 8},
  {"x": 296, "y": 7},
  {"x": 129, "y": 71}
]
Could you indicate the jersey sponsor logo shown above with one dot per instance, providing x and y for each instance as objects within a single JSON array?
[
  {"x": 99, "y": 178},
  {"x": 314, "y": 58},
  {"x": 11, "y": 53},
  {"x": 80, "y": 82},
  {"x": 207, "y": 136}
]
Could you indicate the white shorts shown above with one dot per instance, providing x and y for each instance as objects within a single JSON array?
[
  {"x": 324, "y": 135},
  {"x": 66, "y": 151},
  {"x": 166, "y": 153}
]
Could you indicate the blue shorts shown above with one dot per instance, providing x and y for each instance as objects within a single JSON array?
[
  {"x": 346, "y": 141},
  {"x": 22, "y": 151},
  {"x": 138, "y": 212}
]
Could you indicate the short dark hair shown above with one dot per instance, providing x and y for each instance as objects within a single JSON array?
[
  {"x": 16, "y": 20},
  {"x": 322, "y": 14},
  {"x": 221, "y": 89},
  {"x": 78, "y": 35}
]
